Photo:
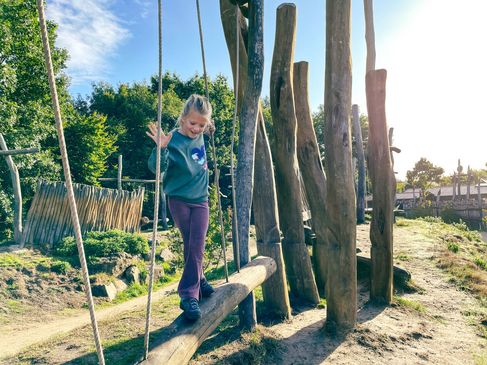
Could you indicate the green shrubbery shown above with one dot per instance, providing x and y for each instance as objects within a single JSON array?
[{"x": 103, "y": 244}]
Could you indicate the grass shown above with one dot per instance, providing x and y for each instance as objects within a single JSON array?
[
  {"x": 410, "y": 304},
  {"x": 462, "y": 254},
  {"x": 403, "y": 257},
  {"x": 480, "y": 359}
]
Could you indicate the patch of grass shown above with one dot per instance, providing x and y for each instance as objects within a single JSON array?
[
  {"x": 15, "y": 306},
  {"x": 410, "y": 304},
  {"x": 481, "y": 262},
  {"x": 453, "y": 246},
  {"x": 321, "y": 304},
  {"x": 401, "y": 222},
  {"x": 403, "y": 256},
  {"x": 480, "y": 359}
]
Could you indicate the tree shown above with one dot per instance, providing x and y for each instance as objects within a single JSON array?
[
  {"x": 424, "y": 175},
  {"x": 26, "y": 118},
  {"x": 89, "y": 145}
]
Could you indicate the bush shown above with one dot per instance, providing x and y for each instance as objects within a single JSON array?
[
  {"x": 60, "y": 267},
  {"x": 103, "y": 244},
  {"x": 453, "y": 246}
]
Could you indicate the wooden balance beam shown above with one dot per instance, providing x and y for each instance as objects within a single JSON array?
[{"x": 177, "y": 343}]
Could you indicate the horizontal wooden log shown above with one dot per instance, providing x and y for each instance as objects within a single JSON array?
[
  {"x": 22, "y": 151},
  {"x": 127, "y": 180},
  {"x": 401, "y": 276},
  {"x": 177, "y": 343}
]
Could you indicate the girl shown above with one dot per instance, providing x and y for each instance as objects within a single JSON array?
[{"x": 183, "y": 158}]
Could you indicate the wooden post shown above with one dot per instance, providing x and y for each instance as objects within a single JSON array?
[
  {"x": 264, "y": 202},
  {"x": 469, "y": 181},
  {"x": 369, "y": 34},
  {"x": 359, "y": 147},
  {"x": 383, "y": 188},
  {"x": 14, "y": 175},
  {"x": 298, "y": 263},
  {"x": 341, "y": 283},
  {"x": 119, "y": 174},
  {"x": 313, "y": 174},
  {"x": 246, "y": 148}
]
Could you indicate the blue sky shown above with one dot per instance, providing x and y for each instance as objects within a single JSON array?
[{"x": 434, "y": 52}]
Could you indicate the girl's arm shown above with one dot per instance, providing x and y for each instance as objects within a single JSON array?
[{"x": 164, "y": 141}]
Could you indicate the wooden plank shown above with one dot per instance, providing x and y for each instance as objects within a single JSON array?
[
  {"x": 21, "y": 151},
  {"x": 177, "y": 343}
]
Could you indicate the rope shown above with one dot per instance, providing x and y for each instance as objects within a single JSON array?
[
  {"x": 157, "y": 189},
  {"x": 67, "y": 178},
  {"x": 232, "y": 165},
  {"x": 212, "y": 139}
]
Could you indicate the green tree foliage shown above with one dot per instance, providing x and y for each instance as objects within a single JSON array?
[
  {"x": 89, "y": 145},
  {"x": 26, "y": 118},
  {"x": 424, "y": 175}
]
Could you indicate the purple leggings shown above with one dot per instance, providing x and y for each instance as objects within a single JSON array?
[{"x": 192, "y": 221}]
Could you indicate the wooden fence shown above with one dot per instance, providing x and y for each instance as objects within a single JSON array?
[{"x": 99, "y": 209}]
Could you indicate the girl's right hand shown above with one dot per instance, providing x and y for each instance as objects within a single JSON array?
[{"x": 164, "y": 138}]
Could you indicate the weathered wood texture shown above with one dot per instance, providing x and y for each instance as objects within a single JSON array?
[
  {"x": 401, "y": 276},
  {"x": 369, "y": 34},
  {"x": 359, "y": 148},
  {"x": 22, "y": 151},
  {"x": 383, "y": 188},
  {"x": 14, "y": 175},
  {"x": 264, "y": 201},
  {"x": 176, "y": 344},
  {"x": 298, "y": 263},
  {"x": 341, "y": 288},
  {"x": 99, "y": 209},
  {"x": 246, "y": 147},
  {"x": 311, "y": 168}
]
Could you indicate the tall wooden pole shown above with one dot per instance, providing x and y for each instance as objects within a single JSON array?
[
  {"x": 341, "y": 284},
  {"x": 264, "y": 202},
  {"x": 383, "y": 189},
  {"x": 119, "y": 173},
  {"x": 246, "y": 147},
  {"x": 359, "y": 147},
  {"x": 313, "y": 173},
  {"x": 296, "y": 256},
  {"x": 14, "y": 175}
]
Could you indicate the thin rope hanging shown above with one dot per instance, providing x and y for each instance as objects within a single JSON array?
[
  {"x": 68, "y": 182},
  {"x": 157, "y": 189},
  {"x": 234, "y": 123},
  {"x": 212, "y": 139}
]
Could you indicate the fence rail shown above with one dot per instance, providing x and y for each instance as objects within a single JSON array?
[{"x": 99, "y": 209}]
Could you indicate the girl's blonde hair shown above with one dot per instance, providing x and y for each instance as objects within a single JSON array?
[{"x": 199, "y": 104}]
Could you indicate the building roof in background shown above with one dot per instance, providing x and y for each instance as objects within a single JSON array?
[{"x": 445, "y": 191}]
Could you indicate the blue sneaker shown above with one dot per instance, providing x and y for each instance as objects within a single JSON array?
[
  {"x": 206, "y": 289},
  {"x": 191, "y": 308}
]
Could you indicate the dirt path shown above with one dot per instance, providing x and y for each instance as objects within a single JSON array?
[
  {"x": 12, "y": 341},
  {"x": 394, "y": 335}
]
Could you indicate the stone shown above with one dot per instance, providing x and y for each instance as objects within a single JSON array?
[
  {"x": 114, "y": 266},
  {"x": 132, "y": 274},
  {"x": 166, "y": 255},
  {"x": 104, "y": 290},
  {"x": 120, "y": 284}
]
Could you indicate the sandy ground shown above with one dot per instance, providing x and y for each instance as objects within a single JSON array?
[{"x": 443, "y": 334}]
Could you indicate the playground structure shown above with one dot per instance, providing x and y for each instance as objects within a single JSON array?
[{"x": 334, "y": 255}]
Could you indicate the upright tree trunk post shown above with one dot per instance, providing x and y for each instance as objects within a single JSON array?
[
  {"x": 359, "y": 146},
  {"x": 119, "y": 173},
  {"x": 312, "y": 171},
  {"x": 264, "y": 202},
  {"x": 246, "y": 148},
  {"x": 469, "y": 181},
  {"x": 369, "y": 34},
  {"x": 383, "y": 189},
  {"x": 341, "y": 283},
  {"x": 14, "y": 175},
  {"x": 296, "y": 256}
]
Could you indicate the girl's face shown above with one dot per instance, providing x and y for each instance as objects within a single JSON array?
[{"x": 193, "y": 124}]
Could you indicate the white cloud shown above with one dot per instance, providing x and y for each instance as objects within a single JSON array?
[{"x": 91, "y": 33}]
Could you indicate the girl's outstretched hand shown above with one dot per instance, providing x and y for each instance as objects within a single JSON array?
[{"x": 164, "y": 138}]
